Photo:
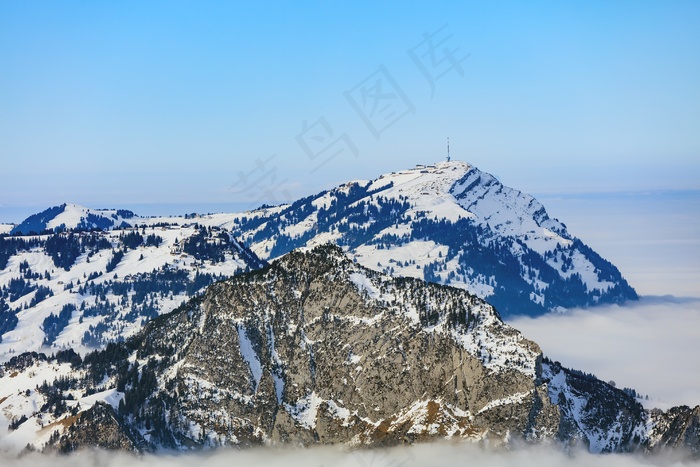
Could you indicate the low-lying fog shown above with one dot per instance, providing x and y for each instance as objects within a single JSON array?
[
  {"x": 652, "y": 345},
  {"x": 433, "y": 455}
]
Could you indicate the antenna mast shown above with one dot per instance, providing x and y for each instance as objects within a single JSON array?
[{"x": 448, "y": 149}]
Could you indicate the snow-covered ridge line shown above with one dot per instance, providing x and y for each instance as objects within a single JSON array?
[
  {"x": 447, "y": 223},
  {"x": 82, "y": 290}
]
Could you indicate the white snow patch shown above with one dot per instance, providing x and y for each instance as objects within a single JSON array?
[
  {"x": 364, "y": 284},
  {"x": 249, "y": 355},
  {"x": 512, "y": 399},
  {"x": 305, "y": 411},
  {"x": 110, "y": 396}
]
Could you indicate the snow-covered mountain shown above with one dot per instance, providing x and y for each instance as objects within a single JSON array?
[
  {"x": 316, "y": 349},
  {"x": 95, "y": 276},
  {"x": 74, "y": 217},
  {"x": 85, "y": 289},
  {"x": 448, "y": 223}
]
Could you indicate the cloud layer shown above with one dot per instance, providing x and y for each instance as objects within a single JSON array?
[
  {"x": 651, "y": 346},
  {"x": 652, "y": 237},
  {"x": 434, "y": 455}
]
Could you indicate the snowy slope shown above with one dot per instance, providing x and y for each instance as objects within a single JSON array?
[
  {"x": 111, "y": 299},
  {"x": 74, "y": 217},
  {"x": 408, "y": 314},
  {"x": 593, "y": 410},
  {"x": 448, "y": 223}
]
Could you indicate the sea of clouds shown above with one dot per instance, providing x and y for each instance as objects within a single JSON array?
[
  {"x": 652, "y": 346},
  {"x": 434, "y": 455}
]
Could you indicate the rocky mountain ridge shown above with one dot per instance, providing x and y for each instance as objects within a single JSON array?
[{"x": 316, "y": 349}]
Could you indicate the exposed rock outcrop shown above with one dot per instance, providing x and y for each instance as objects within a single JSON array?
[{"x": 315, "y": 349}]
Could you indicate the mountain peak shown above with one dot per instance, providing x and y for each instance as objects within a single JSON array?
[
  {"x": 446, "y": 222},
  {"x": 449, "y": 223}
]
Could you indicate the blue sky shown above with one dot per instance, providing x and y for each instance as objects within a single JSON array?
[{"x": 121, "y": 103}]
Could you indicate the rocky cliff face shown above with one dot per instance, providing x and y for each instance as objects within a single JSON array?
[
  {"x": 98, "y": 427},
  {"x": 317, "y": 349},
  {"x": 679, "y": 427}
]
